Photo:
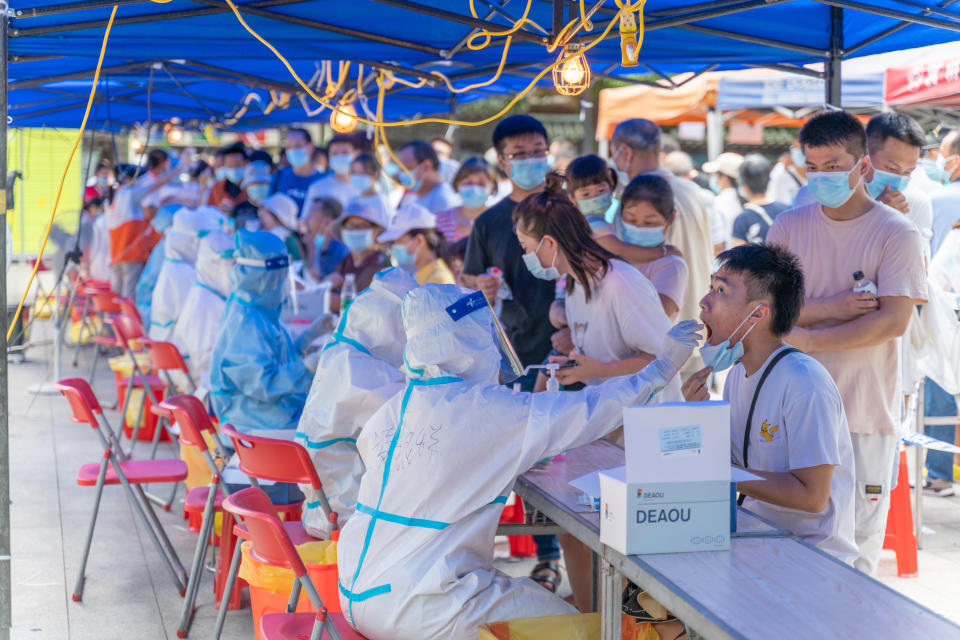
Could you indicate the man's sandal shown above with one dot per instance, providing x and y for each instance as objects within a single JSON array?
[{"x": 542, "y": 576}]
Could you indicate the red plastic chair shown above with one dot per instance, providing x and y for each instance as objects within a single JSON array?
[
  {"x": 165, "y": 357},
  {"x": 277, "y": 461},
  {"x": 100, "y": 301},
  {"x": 128, "y": 307},
  {"x": 114, "y": 468},
  {"x": 129, "y": 334},
  {"x": 272, "y": 546}
]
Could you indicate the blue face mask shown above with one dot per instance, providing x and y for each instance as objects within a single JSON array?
[
  {"x": 796, "y": 154},
  {"x": 528, "y": 173},
  {"x": 233, "y": 174},
  {"x": 402, "y": 256},
  {"x": 642, "y": 236},
  {"x": 392, "y": 169},
  {"x": 474, "y": 196},
  {"x": 357, "y": 240},
  {"x": 297, "y": 157},
  {"x": 831, "y": 188},
  {"x": 883, "y": 178},
  {"x": 722, "y": 356},
  {"x": 361, "y": 182},
  {"x": 319, "y": 240},
  {"x": 409, "y": 181},
  {"x": 340, "y": 163},
  {"x": 537, "y": 269},
  {"x": 258, "y": 191},
  {"x": 714, "y": 184},
  {"x": 220, "y": 174},
  {"x": 596, "y": 206}
]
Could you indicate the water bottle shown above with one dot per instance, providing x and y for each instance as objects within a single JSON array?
[
  {"x": 503, "y": 292},
  {"x": 348, "y": 292},
  {"x": 862, "y": 285}
]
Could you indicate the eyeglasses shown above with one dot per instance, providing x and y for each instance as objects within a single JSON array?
[{"x": 526, "y": 155}]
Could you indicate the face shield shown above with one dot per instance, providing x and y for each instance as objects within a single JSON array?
[{"x": 510, "y": 367}]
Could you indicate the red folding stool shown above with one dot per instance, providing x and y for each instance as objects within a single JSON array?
[
  {"x": 102, "y": 304},
  {"x": 165, "y": 358},
  {"x": 130, "y": 332},
  {"x": 115, "y": 468},
  {"x": 278, "y": 461},
  {"x": 272, "y": 546}
]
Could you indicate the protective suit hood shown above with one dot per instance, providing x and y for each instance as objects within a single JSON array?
[
  {"x": 260, "y": 286},
  {"x": 374, "y": 319},
  {"x": 183, "y": 237},
  {"x": 438, "y": 345},
  {"x": 214, "y": 262}
]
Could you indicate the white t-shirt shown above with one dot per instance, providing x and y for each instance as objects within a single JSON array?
[
  {"x": 798, "y": 422},
  {"x": 441, "y": 198},
  {"x": 623, "y": 317},
  {"x": 726, "y": 208},
  {"x": 784, "y": 183},
  {"x": 669, "y": 277},
  {"x": 328, "y": 187}
]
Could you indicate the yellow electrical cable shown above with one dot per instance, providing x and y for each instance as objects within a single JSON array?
[
  {"x": 400, "y": 123},
  {"x": 63, "y": 176},
  {"x": 494, "y": 34},
  {"x": 477, "y": 85}
]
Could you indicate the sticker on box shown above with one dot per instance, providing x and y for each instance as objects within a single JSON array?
[{"x": 684, "y": 440}]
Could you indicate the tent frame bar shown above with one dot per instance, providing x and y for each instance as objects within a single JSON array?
[
  {"x": 70, "y": 7},
  {"x": 720, "y": 33},
  {"x": 938, "y": 23},
  {"x": 889, "y": 31},
  {"x": 434, "y": 12},
  {"x": 833, "y": 76},
  {"x": 78, "y": 75}
]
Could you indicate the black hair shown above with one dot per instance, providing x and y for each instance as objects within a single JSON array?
[
  {"x": 835, "y": 128},
  {"x": 93, "y": 202},
  {"x": 456, "y": 250},
  {"x": 668, "y": 144},
  {"x": 303, "y": 133},
  {"x": 589, "y": 170},
  {"x": 317, "y": 152},
  {"x": 330, "y": 207},
  {"x": 342, "y": 138},
  {"x": 197, "y": 167},
  {"x": 755, "y": 173},
  {"x": 423, "y": 151},
  {"x": 369, "y": 163},
  {"x": 894, "y": 125},
  {"x": 551, "y": 212},
  {"x": 261, "y": 156},
  {"x": 235, "y": 149},
  {"x": 517, "y": 125},
  {"x": 156, "y": 157},
  {"x": 652, "y": 189},
  {"x": 770, "y": 272},
  {"x": 471, "y": 166},
  {"x": 434, "y": 239}
]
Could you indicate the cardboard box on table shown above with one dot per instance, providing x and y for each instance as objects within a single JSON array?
[{"x": 674, "y": 492}]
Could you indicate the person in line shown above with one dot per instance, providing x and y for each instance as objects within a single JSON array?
[
  {"x": 337, "y": 185},
  {"x": 416, "y": 245},
  {"x": 177, "y": 274},
  {"x": 295, "y": 179},
  {"x": 359, "y": 226},
  {"x": 788, "y": 176},
  {"x": 365, "y": 176},
  {"x": 195, "y": 331},
  {"x": 415, "y": 560},
  {"x": 617, "y": 322},
  {"x": 151, "y": 270},
  {"x": 320, "y": 160},
  {"x": 359, "y": 370},
  {"x": 520, "y": 145},
  {"x": 420, "y": 176},
  {"x": 454, "y": 256},
  {"x": 96, "y": 253},
  {"x": 278, "y": 215},
  {"x": 256, "y": 182},
  {"x": 100, "y": 183},
  {"x": 448, "y": 165},
  {"x": 724, "y": 181},
  {"x": 646, "y": 213},
  {"x": 946, "y": 201},
  {"x": 227, "y": 192},
  {"x": 680, "y": 164},
  {"x": 855, "y": 335},
  {"x": 324, "y": 251},
  {"x": 635, "y": 145},
  {"x": 158, "y": 163},
  {"x": 474, "y": 184},
  {"x": 195, "y": 187},
  {"x": 258, "y": 382},
  {"x": 131, "y": 236},
  {"x": 562, "y": 153},
  {"x": 760, "y": 210}
]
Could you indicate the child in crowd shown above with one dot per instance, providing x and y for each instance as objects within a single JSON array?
[
  {"x": 417, "y": 245},
  {"x": 324, "y": 251},
  {"x": 359, "y": 227},
  {"x": 278, "y": 215},
  {"x": 454, "y": 256},
  {"x": 646, "y": 213},
  {"x": 474, "y": 183},
  {"x": 364, "y": 176}
]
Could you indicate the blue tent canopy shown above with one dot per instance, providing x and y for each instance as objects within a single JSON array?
[{"x": 201, "y": 64}]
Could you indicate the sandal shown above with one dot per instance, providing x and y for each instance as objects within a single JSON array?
[
  {"x": 541, "y": 576},
  {"x": 635, "y": 604}
]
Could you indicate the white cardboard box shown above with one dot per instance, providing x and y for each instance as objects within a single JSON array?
[{"x": 674, "y": 493}]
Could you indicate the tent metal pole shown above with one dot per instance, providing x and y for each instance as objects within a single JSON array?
[
  {"x": 938, "y": 23},
  {"x": 787, "y": 46},
  {"x": 76, "y": 75},
  {"x": 449, "y": 53},
  {"x": 6, "y": 612},
  {"x": 470, "y": 21},
  {"x": 833, "y": 84},
  {"x": 396, "y": 68},
  {"x": 69, "y": 7},
  {"x": 888, "y": 32},
  {"x": 254, "y": 81}
]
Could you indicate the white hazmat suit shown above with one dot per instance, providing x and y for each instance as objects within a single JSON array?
[
  {"x": 358, "y": 371},
  {"x": 416, "y": 559},
  {"x": 177, "y": 273},
  {"x": 196, "y": 328}
]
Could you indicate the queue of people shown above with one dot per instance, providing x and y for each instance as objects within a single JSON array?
[{"x": 606, "y": 267}]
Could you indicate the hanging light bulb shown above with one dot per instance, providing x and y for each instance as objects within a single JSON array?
[
  {"x": 175, "y": 135},
  {"x": 344, "y": 118},
  {"x": 136, "y": 145},
  {"x": 572, "y": 76}
]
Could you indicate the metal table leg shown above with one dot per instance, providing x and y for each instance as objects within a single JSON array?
[{"x": 610, "y": 601}]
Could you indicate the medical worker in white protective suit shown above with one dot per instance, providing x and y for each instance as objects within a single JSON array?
[
  {"x": 196, "y": 328},
  {"x": 358, "y": 371},
  {"x": 416, "y": 559},
  {"x": 177, "y": 273}
]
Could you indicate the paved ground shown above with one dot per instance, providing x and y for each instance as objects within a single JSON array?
[{"x": 128, "y": 594}]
